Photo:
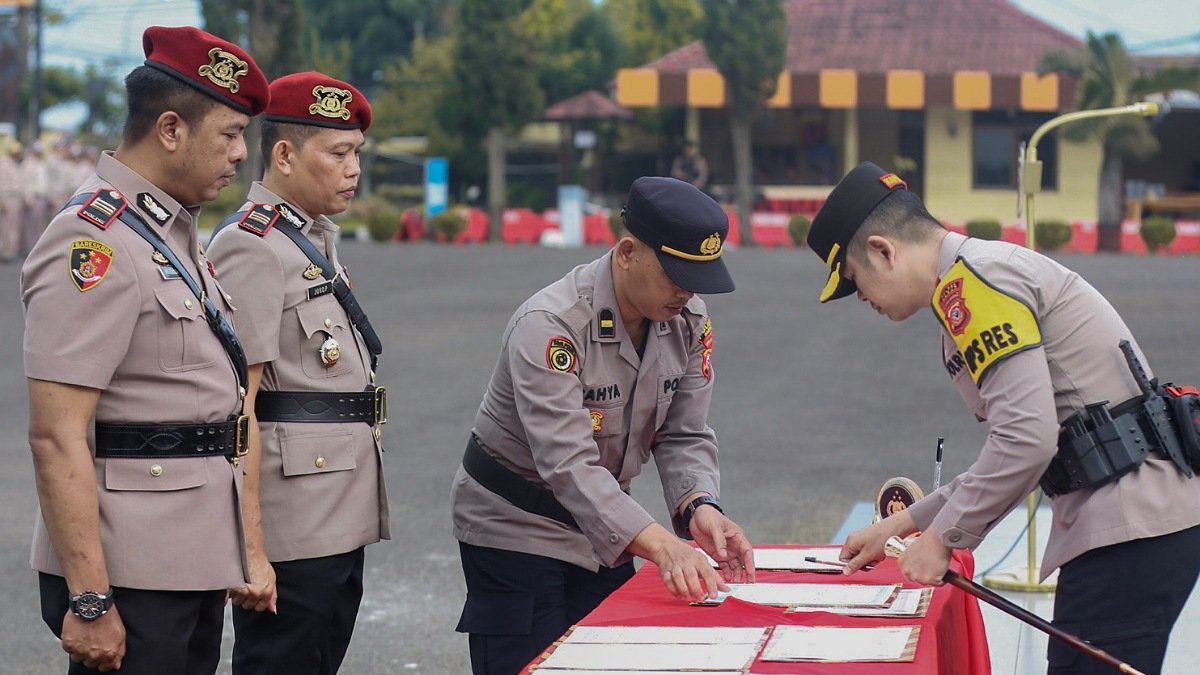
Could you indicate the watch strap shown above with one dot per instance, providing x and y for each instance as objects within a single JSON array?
[
  {"x": 696, "y": 503},
  {"x": 91, "y": 605}
]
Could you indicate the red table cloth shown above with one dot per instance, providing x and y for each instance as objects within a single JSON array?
[{"x": 952, "y": 639}]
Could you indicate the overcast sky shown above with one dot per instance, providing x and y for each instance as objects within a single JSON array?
[{"x": 109, "y": 31}]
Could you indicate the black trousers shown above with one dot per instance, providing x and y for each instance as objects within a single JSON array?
[
  {"x": 1124, "y": 599},
  {"x": 318, "y": 603},
  {"x": 518, "y": 604},
  {"x": 165, "y": 631}
]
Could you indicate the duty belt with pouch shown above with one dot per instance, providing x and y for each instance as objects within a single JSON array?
[
  {"x": 1108, "y": 443},
  {"x": 227, "y": 439}
]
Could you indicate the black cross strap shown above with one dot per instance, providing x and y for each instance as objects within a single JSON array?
[
  {"x": 216, "y": 322},
  {"x": 341, "y": 289}
]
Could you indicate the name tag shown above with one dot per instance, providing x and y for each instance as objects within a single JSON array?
[
  {"x": 320, "y": 289},
  {"x": 169, "y": 272}
]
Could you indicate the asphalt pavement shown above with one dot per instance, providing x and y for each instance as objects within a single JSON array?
[{"x": 815, "y": 406}]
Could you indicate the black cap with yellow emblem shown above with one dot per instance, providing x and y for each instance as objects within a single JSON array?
[
  {"x": 852, "y": 200},
  {"x": 686, "y": 229}
]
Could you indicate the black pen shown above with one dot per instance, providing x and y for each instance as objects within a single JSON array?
[
  {"x": 937, "y": 465},
  {"x": 835, "y": 563}
]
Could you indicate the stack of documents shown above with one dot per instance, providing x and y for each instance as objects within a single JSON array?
[
  {"x": 910, "y": 603},
  {"x": 633, "y": 650},
  {"x": 842, "y": 645},
  {"x": 855, "y": 596}
]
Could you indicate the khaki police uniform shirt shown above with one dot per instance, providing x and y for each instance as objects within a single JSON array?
[
  {"x": 140, "y": 336},
  {"x": 583, "y": 427},
  {"x": 1025, "y": 396},
  {"x": 321, "y": 489}
]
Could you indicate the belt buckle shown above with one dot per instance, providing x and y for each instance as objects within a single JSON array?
[
  {"x": 380, "y": 406},
  {"x": 241, "y": 442}
]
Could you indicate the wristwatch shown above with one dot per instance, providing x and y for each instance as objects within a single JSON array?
[
  {"x": 696, "y": 503},
  {"x": 90, "y": 605}
]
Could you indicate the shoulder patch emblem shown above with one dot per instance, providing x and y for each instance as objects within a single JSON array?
[
  {"x": 706, "y": 341},
  {"x": 560, "y": 354},
  {"x": 259, "y": 219},
  {"x": 597, "y": 421},
  {"x": 103, "y": 207},
  {"x": 90, "y": 261},
  {"x": 996, "y": 326}
]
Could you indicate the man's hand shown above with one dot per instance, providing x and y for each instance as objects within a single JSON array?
[
  {"x": 685, "y": 571},
  {"x": 260, "y": 595},
  {"x": 96, "y": 644},
  {"x": 926, "y": 560},
  {"x": 866, "y": 545},
  {"x": 724, "y": 540}
]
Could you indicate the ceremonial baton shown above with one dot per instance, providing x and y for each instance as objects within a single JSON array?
[{"x": 895, "y": 546}]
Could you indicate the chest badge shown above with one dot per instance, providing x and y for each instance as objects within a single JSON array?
[
  {"x": 331, "y": 352},
  {"x": 312, "y": 272},
  {"x": 597, "y": 421},
  {"x": 159, "y": 258}
]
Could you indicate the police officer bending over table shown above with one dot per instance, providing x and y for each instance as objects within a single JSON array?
[
  {"x": 312, "y": 351},
  {"x": 1051, "y": 368},
  {"x": 139, "y": 534},
  {"x": 598, "y": 372}
]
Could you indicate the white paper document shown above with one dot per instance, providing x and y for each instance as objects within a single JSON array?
[
  {"x": 836, "y": 644},
  {"x": 909, "y": 603},
  {"x": 650, "y": 657},
  {"x": 679, "y": 635},
  {"x": 793, "y": 559},
  {"x": 811, "y": 595}
]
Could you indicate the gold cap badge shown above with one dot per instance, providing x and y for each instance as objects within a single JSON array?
[
  {"x": 224, "y": 68},
  {"x": 331, "y": 102},
  {"x": 712, "y": 245}
]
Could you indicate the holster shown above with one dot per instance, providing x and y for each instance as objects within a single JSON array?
[
  {"x": 1099, "y": 448},
  {"x": 1184, "y": 406}
]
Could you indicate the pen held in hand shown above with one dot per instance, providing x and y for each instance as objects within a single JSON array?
[{"x": 835, "y": 563}]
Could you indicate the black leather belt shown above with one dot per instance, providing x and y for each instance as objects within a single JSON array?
[
  {"x": 227, "y": 439},
  {"x": 497, "y": 478},
  {"x": 368, "y": 406}
]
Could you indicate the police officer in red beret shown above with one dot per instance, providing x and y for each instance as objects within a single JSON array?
[
  {"x": 598, "y": 373},
  {"x": 134, "y": 376},
  {"x": 313, "y": 475}
]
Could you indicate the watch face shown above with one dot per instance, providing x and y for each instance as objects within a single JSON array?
[{"x": 89, "y": 605}]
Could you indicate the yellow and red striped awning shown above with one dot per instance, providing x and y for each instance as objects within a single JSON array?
[{"x": 837, "y": 88}]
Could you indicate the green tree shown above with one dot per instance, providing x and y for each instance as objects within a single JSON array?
[
  {"x": 747, "y": 41},
  {"x": 652, "y": 28},
  {"x": 497, "y": 86},
  {"x": 266, "y": 28},
  {"x": 577, "y": 46},
  {"x": 1106, "y": 77}
]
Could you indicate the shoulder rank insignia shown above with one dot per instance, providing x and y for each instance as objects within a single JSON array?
[
  {"x": 259, "y": 219},
  {"x": 149, "y": 205},
  {"x": 986, "y": 324},
  {"x": 289, "y": 214},
  {"x": 103, "y": 207},
  {"x": 90, "y": 261},
  {"x": 560, "y": 354}
]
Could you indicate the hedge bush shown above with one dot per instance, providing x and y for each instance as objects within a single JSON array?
[
  {"x": 1158, "y": 232},
  {"x": 984, "y": 228},
  {"x": 448, "y": 224},
  {"x": 798, "y": 226},
  {"x": 381, "y": 217},
  {"x": 1052, "y": 235}
]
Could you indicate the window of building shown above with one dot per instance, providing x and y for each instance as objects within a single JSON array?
[{"x": 998, "y": 136}]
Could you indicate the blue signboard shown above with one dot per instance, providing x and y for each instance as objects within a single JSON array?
[{"x": 437, "y": 185}]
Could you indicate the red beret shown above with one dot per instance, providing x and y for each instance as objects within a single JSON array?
[
  {"x": 319, "y": 100},
  {"x": 214, "y": 66}
]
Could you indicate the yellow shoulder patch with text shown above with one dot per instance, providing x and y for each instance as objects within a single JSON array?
[{"x": 987, "y": 324}]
